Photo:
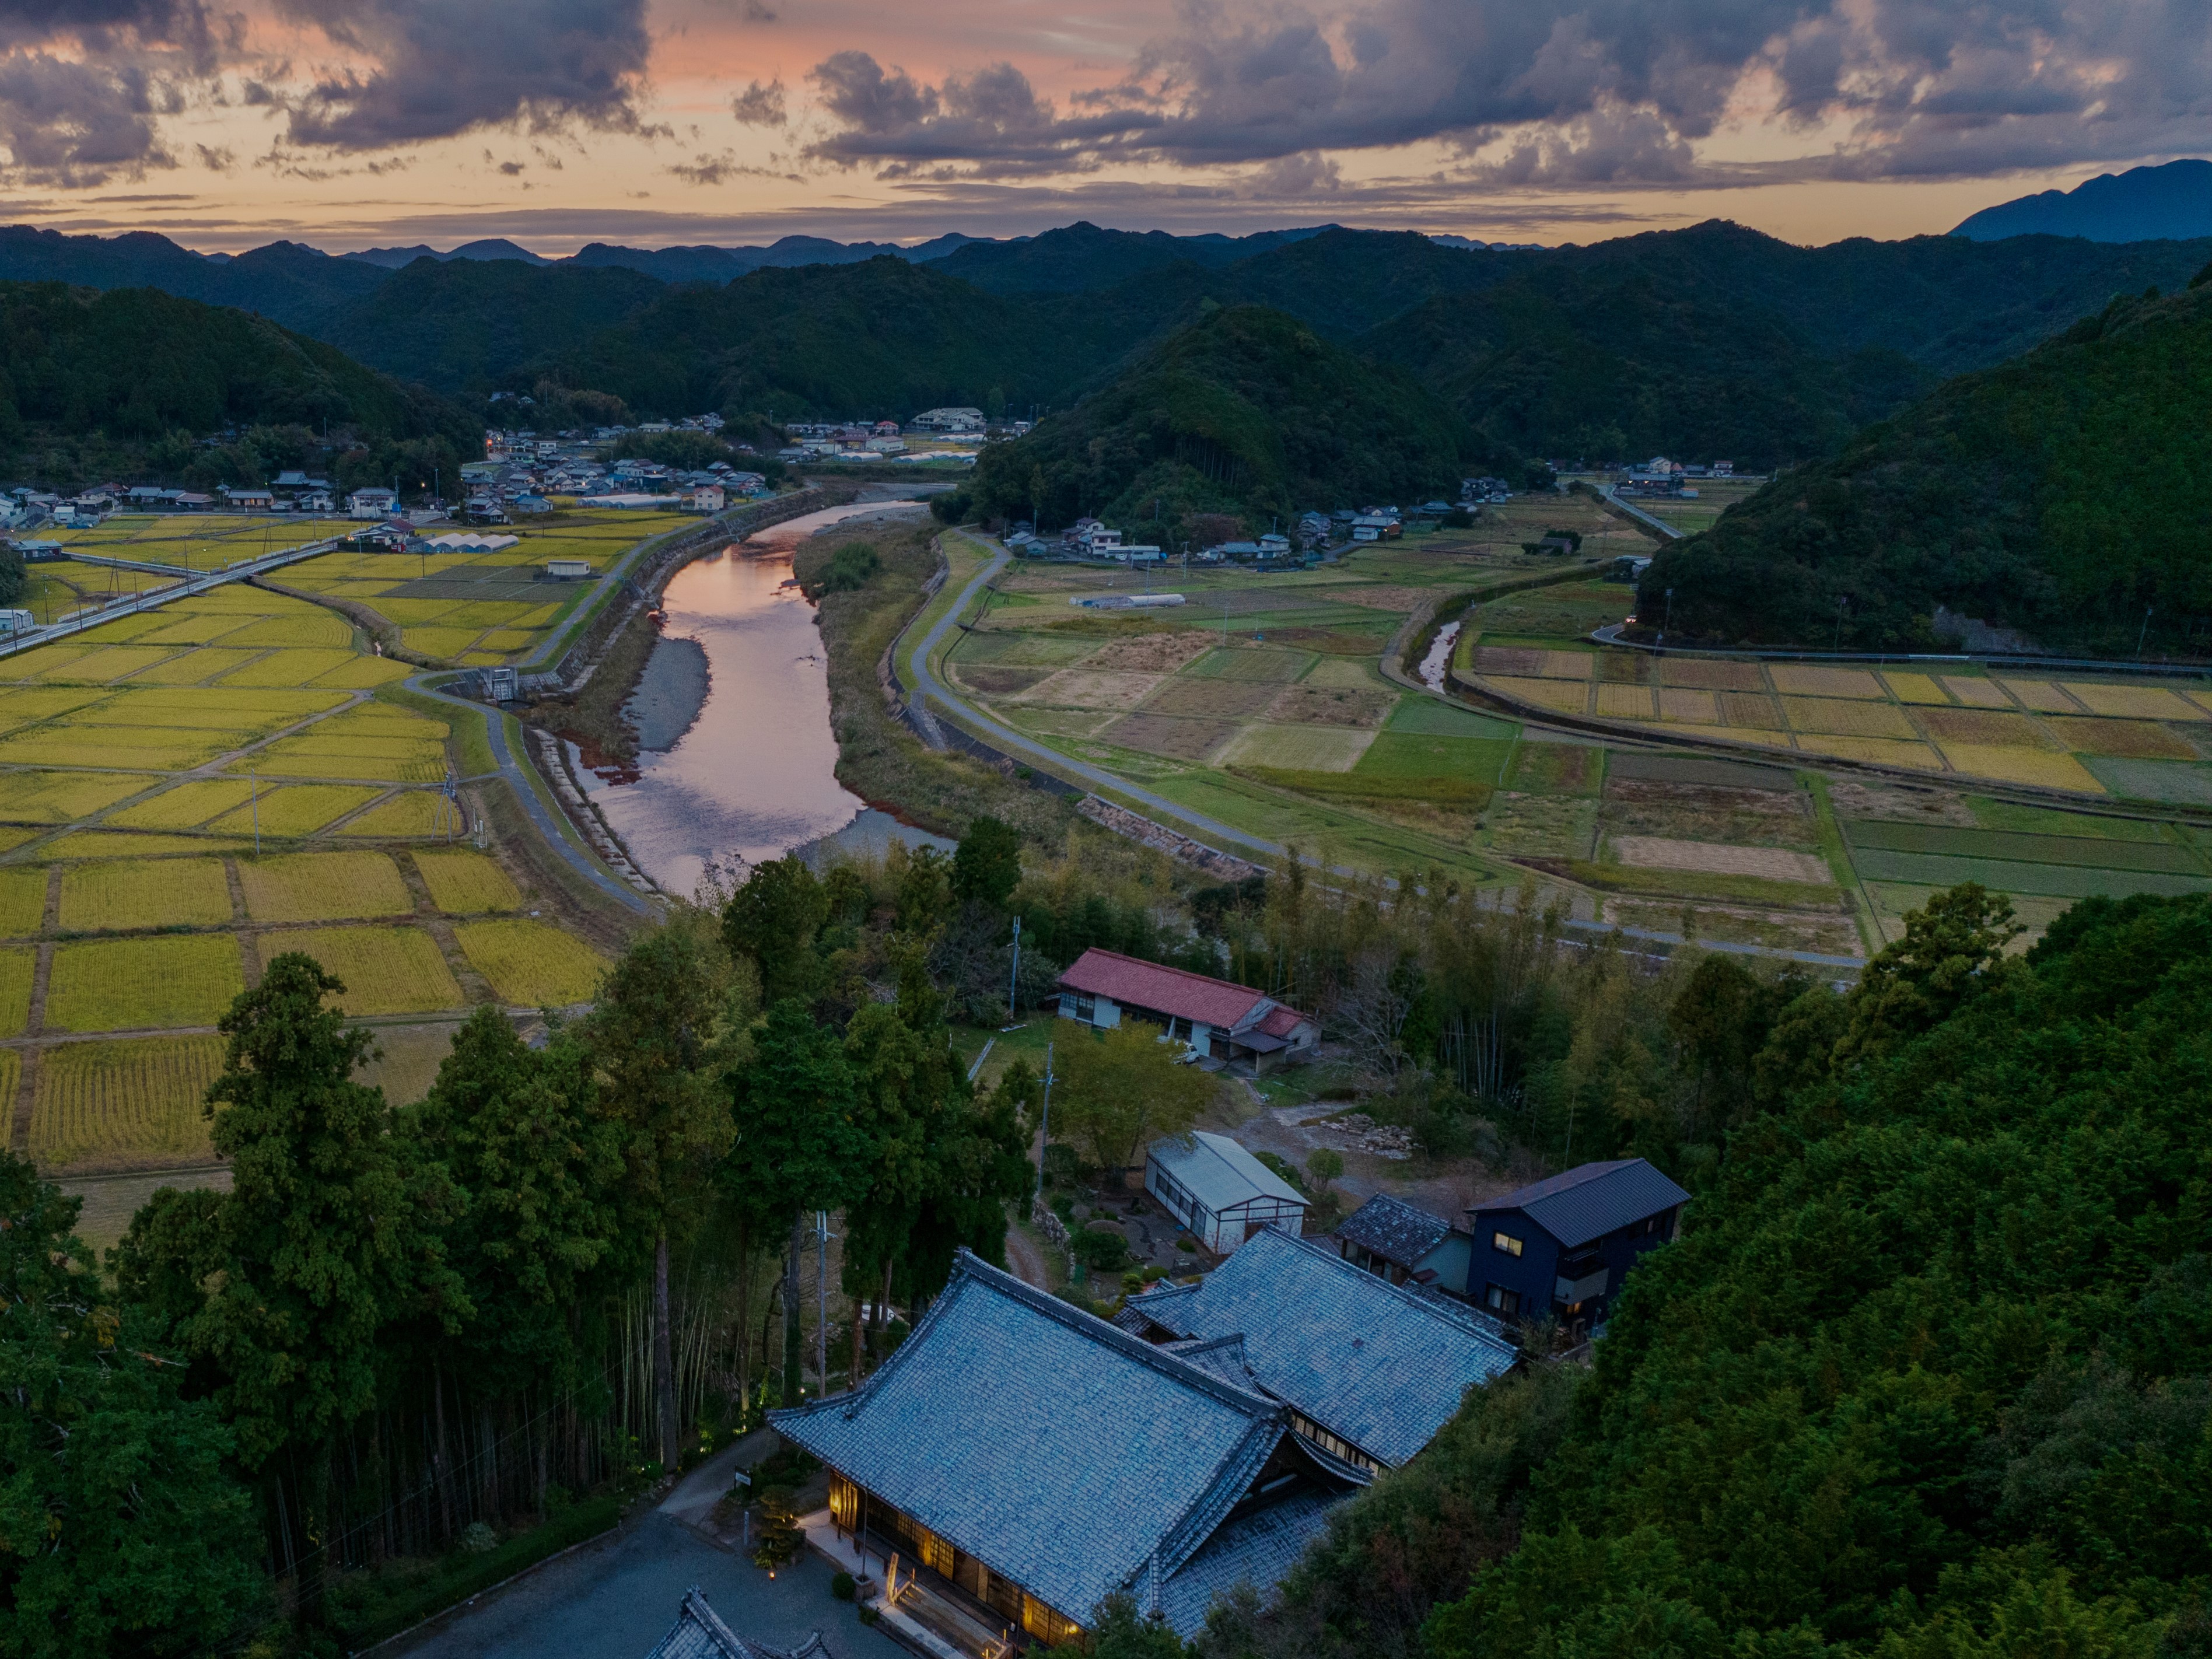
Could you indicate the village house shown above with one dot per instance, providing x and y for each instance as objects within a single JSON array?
[
  {"x": 1405, "y": 1245},
  {"x": 1371, "y": 1371},
  {"x": 372, "y": 503},
  {"x": 1218, "y": 1192},
  {"x": 1562, "y": 1246},
  {"x": 1231, "y": 1023},
  {"x": 974, "y": 1459},
  {"x": 700, "y": 1633}
]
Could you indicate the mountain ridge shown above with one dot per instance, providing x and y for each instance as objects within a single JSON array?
[{"x": 2169, "y": 203}]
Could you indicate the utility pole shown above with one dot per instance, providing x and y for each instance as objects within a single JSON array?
[
  {"x": 2144, "y": 634},
  {"x": 822, "y": 1297},
  {"x": 253, "y": 789},
  {"x": 1014, "y": 979},
  {"x": 1044, "y": 1129},
  {"x": 1842, "y": 605}
]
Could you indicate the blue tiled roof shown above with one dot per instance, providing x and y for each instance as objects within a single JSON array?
[
  {"x": 1382, "y": 1365},
  {"x": 1592, "y": 1200},
  {"x": 1259, "y": 1550},
  {"x": 1396, "y": 1232},
  {"x": 700, "y": 1633},
  {"x": 985, "y": 1425}
]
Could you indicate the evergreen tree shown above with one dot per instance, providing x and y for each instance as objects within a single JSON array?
[
  {"x": 987, "y": 865},
  {"x": 122, "y": 1531},
  {"x": 773, "y": 920}
]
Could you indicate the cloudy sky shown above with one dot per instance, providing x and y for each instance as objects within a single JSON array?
[{"x": 350, "y": 123}]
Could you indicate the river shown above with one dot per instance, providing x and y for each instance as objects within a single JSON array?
[{"x": 753, "y": 776}]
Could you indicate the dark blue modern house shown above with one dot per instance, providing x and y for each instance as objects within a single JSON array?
[{"x": 1562, "y": 1246}]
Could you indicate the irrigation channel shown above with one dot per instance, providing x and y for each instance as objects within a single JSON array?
[{"x": 738, "y": 760}]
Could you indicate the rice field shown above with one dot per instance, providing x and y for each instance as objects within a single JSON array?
[
  {"x": 2043, "y": 768},
  {"x": 530, "y": 963},
  {"x": 410, "y": 813},
  {"x": 385, "y": 970},
  {"x": 133, "y": 1104},
  {"x": 18, "y": 966},
  {"x": 23, "y": 901},
  {"x": 125, "y": 984},
  {"x": 299, "y": 809},
  {"x": 106, "y": 896},
  {"x": 323, "y": 887},
  {"x": 464, "y": 883},
  {"x": 62, "y": 797}
]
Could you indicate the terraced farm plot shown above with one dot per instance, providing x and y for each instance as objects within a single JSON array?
[
  {"x": 1711, "y": 676},
  {"x": 184, "y": 806},
  {"x": 1975, "y": 693},
  {"x": 1301, "y": 705},
  {"x": 995, "y": 680},
  {"x": 2148, "y": 703},
  {"x": 1810, "y": 680},
  {"x": 23, "y": 901},
  {"x": 1709, "y": 858},
  {"x": 385, "y": 970},
  {"x": 411, "y": 812},
  {"x": 1151, "y": 654},
  {"x": 134, "y": 1104},
  {"x": 1755, "y": 710},
  {"x": 2169, "y": 782},
  {"x": 110, "y": 663},
  {"x": 1414, "y": 755},
  {"x": 62, "y": 797},
  {"x": 1698, "y": 707},
  {"x": 2040, "y": 696},
  {"x": 18, "y": 963},
  {"x": 1984, "y": 728},
  {"x": 130, "y": 893},
  {"x": 299, "y": 809},
  {"x": 289, "y": 667},
  {"x": 323, "y": 887},
  {"x": 1081, "y": 687},
  {"x": 1631, "y": 702},
  {"x": 2051, "y": 880},
  {"x": 1845, "y": 718},
  {"x": 1558, "y": 768},
  {"x": 304, "y": 626},
  {"x": 364, "y": 674},
  {"x": 1567, "y": 696},
  {"x": 445, "y": 643},
  {"x": 530, "y": 963},
  {"x": 2040, "y": 766},
  {"x": 1206, "y": 698},
  {"x": 1299, "y": 748},
  {"x": 1429, "y": 718},
  {"x": 1914, "y": 687},
  {"x": 2127, "y": 740},
  {"x": 2092, "y": 852},
  {"x": 157, "y": 749},
  {"x": 1248, "y": 662},
  {"x": 126, "y": 984},
  {"x": 1337, "y": 674},
  {"x": 1174, "y": 738},
  {"x": 1875, "y": 752},
  {"x": 132, "y": 843},
  {"x": 196, "y": 666},
  {"x": 464, "y": 883}
]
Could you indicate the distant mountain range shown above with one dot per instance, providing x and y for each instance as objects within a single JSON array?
[{"x": 2144, "y": 204}]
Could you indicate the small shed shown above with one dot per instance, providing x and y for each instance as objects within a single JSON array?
[
  {"x": 568, "y": 570},
  {"x": 1220, "y": 1193}
]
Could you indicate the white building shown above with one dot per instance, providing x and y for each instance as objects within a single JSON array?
[{"x": 1218, "y": 1192}]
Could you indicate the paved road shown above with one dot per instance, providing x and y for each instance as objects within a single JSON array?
[
  {"x": 513, "y": 770},
  {"x": 615, "y": 1597},
  {"x": 927, "y": 683}
]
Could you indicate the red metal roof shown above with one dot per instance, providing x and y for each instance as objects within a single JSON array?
[
  {"x": 1163, "y": 990},
  {"x": 1280, "y": 1022}
]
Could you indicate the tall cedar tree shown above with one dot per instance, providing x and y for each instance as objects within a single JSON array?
[
  {"x": 986, "y": 865},
  {"x": 121, "y": 1529},
  {"x": 520, "y": 1130},
  {"x": 796, "y": 1143},
  {"x": 772, "y": 919},
  {"x": 668, "y": 1027},
  {"x": 325, "y": 1241}
]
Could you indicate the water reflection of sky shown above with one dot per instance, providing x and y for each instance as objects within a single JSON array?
[{"x": 755, "y": 775}]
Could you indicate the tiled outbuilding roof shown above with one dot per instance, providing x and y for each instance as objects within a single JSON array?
[
  {"x": 1589, "y": 1202},
  {"x": 1396, "y": 1232},
  {"x": 1164, "y": 990},
  {"x": 1375, "y": 1362},
  {"x": 984, "y": 1426},
  {"x": 700, "y": 1633},
  {"x": 1219, "y": 1173},
  {"x": 1259, "y": 1550}
]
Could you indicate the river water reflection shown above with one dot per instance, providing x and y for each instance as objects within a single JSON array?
[{"x": 755, "y": 775}]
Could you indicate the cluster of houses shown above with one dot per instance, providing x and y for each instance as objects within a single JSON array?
[
  {"x": 1660, "y": 477},
  {"x": 24, "y": 508},
  {"x": 1314, "y": 538},
  {"x": 868, "y": 441}
]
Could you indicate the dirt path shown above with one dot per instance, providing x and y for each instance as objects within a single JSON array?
[{"x": 1025, "y": 1258}]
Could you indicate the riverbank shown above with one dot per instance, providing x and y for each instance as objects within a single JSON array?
[{"x": 670, "y": 691}]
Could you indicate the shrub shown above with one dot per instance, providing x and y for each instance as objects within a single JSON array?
[
  {"x": 869, "y": 1615},
  {"x": 478, "y": 1539},
  {"x": 1102, "y": 1253},
  {"x": 1187, "y": 1244},
  {"x": 843, "y": 1586}
]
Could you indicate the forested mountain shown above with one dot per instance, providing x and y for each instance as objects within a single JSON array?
[
  {"x": 124, "y": 382},
  {"x": 463, "y": 324},
  {"x": 297, "y": 285},
  {"x": 2060, "y": 495},
  {"x": 2143, "y": 202},
  {"x": 1247, "y": 411},
  {"x": 1081, "y": 257}
]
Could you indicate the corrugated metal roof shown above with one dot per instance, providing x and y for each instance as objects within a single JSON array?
[
  {"x": 1589, "y": 1201},
  {"x": 1259, "y": 1550},
  {"x": 1164, "y": 990},
  {"x": 1396, "y": 1232},
  {"x": 1379, "y": 1365},
  {"x": 983, "y": 1425},
  {"x": 1219, "y": 1173}
]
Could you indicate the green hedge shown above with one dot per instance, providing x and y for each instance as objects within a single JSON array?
[{"x": 462, "y": 1576}]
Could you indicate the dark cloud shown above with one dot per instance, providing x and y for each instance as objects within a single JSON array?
[
  {"x": 1577, "y": 92},
  {"x": 759, "y": 106},
  {"x": 442, "y": 67},
  {"x": 75, "y": 125}
]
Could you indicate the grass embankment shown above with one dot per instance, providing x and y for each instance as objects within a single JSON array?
[{"x": 878, "y": 758}]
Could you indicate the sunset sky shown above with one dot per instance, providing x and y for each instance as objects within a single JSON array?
[{"x": 353, "y": 123}]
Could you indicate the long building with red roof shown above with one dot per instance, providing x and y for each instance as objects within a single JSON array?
[{"x": 1227, "y": 1022}]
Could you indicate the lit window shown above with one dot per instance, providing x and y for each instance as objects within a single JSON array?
[{"x": 1506, "y": 1242}]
